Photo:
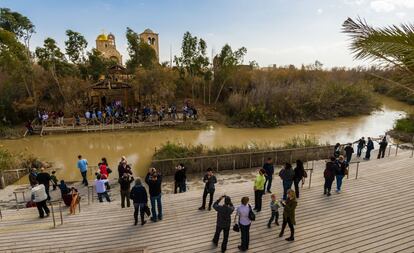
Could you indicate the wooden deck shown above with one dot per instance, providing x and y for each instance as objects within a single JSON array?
[{"x": 374, "y": 213}]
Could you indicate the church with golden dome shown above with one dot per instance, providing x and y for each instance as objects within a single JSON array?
[{"x": 107, "y": 46}]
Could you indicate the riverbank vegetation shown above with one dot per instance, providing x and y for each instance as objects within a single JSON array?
[
  {"x": 10, "y": 161},
  {"x": 52, "y": 78},
  {"x": 170, "y": 150}
]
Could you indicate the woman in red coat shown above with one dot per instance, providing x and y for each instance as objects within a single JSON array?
[{"x": 103, "y": 168}]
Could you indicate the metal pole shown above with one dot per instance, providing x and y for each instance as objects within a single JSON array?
[
  {"x": 79, "y": 204},
  {"x": 53, "y": 214},
  {"x": 234, "y": 163},
  {"x": 250, "y": 162},
  {"x": 89, "y": 201},
  {"x": 60, "y": 211},
  {"x": 389, "y": 151},
  {"x": 17, "y": 203},
  {"x": 357, "y": 169},
  {"x": 412, "y": 153},
  {"x": 396, "y": 149},
  {"x": 217, "y": 164},
  {"x": 310, "y": 178},
  {"x": 349, "y": 167},
  {"x": 24, "y": 197}
]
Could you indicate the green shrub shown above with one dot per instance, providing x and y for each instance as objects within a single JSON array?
[{"x": 405, "y": 125}]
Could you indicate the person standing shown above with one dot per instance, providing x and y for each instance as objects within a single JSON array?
[
  {"x": 180, "y": 178},
  {"x": 349, "y": 150},
  {"x": 39, "y": 196},
  {"x": 269, "y": 170},
  {"x": 83, "y": 168},
  {"x": 140, "y": 198},
  {"x": 383, "y": 146},
  {"x": 125, "y": 186},
  {"x": 153, "y": 180},
  {"x": 329, "y": 175},
  {"x": 340, "y": 174},
  {"x": 100, "y": 186},
  {"x": 223, "y": 220},
  {"x": 274, "y": 207},
  {"x": 244, "y": 223},
  {"x": 259, "y": 189},
  {"x": 210, "y": 180},
  {"x": 299, "y": 175},
  {"x": 287, "y": 175},
  {"x": 104, "y": 168},
  {"x": 32, "y": 177},
  {"x": 289, "y": 215},
  {"x": 337, "y": 150},
  {"x": 44, "y": 179},
  {"x": 123, "y": 167},
  {"x": 370, "y": 147},
  {"x": 361, "y": 144}
]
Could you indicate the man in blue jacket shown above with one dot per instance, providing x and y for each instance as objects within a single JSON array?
[{"x": 270, "y": 170}]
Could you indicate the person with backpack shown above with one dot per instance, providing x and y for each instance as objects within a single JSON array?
[
  {"x": 259, "y": 188},
  {"x": 140, "y": 198},
  {"x": 300, "y": 174},
  {"x": 289, "y": 209},
  {"x": 342, "y": 170},
  {"x": 269, "y": 171},
  {"x": 210, "y": 180},
  {"x": 223, "y": 220},
  {"x": 329, "y": 175},
  {"x": 287, "y": 175},
  {"x": 244, "y": 214}
]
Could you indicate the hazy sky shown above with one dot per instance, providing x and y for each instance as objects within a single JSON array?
[{"x": 273, "y": 31}]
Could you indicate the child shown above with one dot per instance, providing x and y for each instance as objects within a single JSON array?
[
  {"x": 54, "y": 180},
  {"x": 274, "y": 207}
]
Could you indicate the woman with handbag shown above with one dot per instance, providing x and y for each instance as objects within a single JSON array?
[
  {"x": 289, "y": 214},
  {"x": 140, "y": 198},
  {"x": 245, "y": 215}
]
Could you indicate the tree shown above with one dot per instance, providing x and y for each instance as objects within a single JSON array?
[
  {"x": 75, "y": 47},
  {"x": 140, "y": 53},
  {"x": 193, "y": 60},
  {"x": 391, "y": 46},
  {"x": 97, "y": 65},
  {"x": 18, "y": 24},
  {"x": 225, "y": 64}
]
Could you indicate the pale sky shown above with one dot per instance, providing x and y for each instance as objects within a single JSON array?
[{"x": 278, "y": 32}]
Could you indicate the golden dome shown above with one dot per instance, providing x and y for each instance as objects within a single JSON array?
[{"x": 102, "y": 37}]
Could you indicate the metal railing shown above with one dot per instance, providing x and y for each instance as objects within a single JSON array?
[
  {"x": 52, "y": 210},
  {"x": 17, "y": 199}
]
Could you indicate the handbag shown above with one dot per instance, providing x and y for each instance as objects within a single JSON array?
[
  {"x": 108, "y": 170},
  {"x": 305, "y": 174},
  {"x": 252, "y": 216},
  {"x": 147, "y": 211},
  {"x": 236, "y": 228}
]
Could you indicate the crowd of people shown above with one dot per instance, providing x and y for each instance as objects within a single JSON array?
[{"x": 291, "y": 176}]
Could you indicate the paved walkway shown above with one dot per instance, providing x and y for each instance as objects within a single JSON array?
[{"x": 375, "y": 213}]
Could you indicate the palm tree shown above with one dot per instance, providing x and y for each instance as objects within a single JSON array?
[{"x": 392, "y": 46}]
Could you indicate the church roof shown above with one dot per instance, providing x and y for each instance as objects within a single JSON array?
[{"x": 102, "y": 37}]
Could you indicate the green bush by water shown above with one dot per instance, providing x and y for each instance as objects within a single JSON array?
[{"x": 405, "y": 125}]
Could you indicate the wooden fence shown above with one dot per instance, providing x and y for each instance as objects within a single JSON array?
[{"x": 242, "y": 160}]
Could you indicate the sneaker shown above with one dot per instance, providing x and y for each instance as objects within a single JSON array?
[
  {"x": 201, "y": 208},
  {"x": 290, "y": 239},
  {"x": 240, "y": 248},
  {"x": 269, "y": 192}
]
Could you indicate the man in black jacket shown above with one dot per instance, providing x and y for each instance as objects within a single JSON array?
[
  {"x": 210, "y": 180},
  {"x": 180, "y": 178},
  {"x": 270, "y": 170},
  {"x": 329, "y": 175},
  {"x": 140, "y": 198},
  {"x": 223, "y": 221},
  {"x": 44, "y": 179},
  {"x": 154, "y": 180}
]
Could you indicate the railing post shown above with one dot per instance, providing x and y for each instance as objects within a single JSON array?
[
  {"x": 217, "y": 164},
  {"x": 396, "y": 149},
  {"x": 53, "y": 214},
  {"x": 389, "y": 151},
  {"x": 79, "y": 203},
  {"x": 412, "y": 152},
  {"x": 349, "y": 171},
  {"x": 24, "y": 197},
  {"x": 60, "y": 211},
  {"x": 357, "y": 169},
  {"x": 250, "y": 161},
  {"x": 1, "y": 215},
  {"x": 17, "y": 202},
  {"x": 234, "y": 163},
  {"x": 310, "y": 178}
]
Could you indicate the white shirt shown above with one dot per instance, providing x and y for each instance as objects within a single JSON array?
[
  {"x": 100, "y": 185},
  {"x": 39, "y": 193}
]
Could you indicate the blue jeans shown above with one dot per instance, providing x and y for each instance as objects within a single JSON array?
[
  {"x": 287, "y": 184},
  {"x": 269, "y": 180},
  {"x": 159, "y": 207},
  {"x": 339, "y": 179}
]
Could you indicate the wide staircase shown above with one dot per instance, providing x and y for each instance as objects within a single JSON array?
[{"x": 374, "y": 213}]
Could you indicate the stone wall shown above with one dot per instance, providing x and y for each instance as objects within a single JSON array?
[{"x": 8, "y": 177}]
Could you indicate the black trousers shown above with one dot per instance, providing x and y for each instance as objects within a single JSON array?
[
  {"x": 275, "y": 217},
  {"x": 206, "y": 192},
  {"x": 381, "y": 152},
  {"x": 328, "y": 184},
  {"x": 42, "y": 208},
  {"x": 180, "y": 186},
  {"x": 84, "y": 178},
  {"x": 245, "y": 236},
  {"x": 287, "y": 221},
  {"x": 125, "y": 196},
  {"x": 139, "y": 208},
  {"x": 258, "y": 194},
  {"x": 225, "y": 237},
  {"x": 296, "y": 182}
]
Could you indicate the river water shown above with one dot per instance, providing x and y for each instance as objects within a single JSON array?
[{"x": 138, "y": 146}]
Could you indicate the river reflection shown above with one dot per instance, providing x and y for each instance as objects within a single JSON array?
[{"x": 138, "y": 146}]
